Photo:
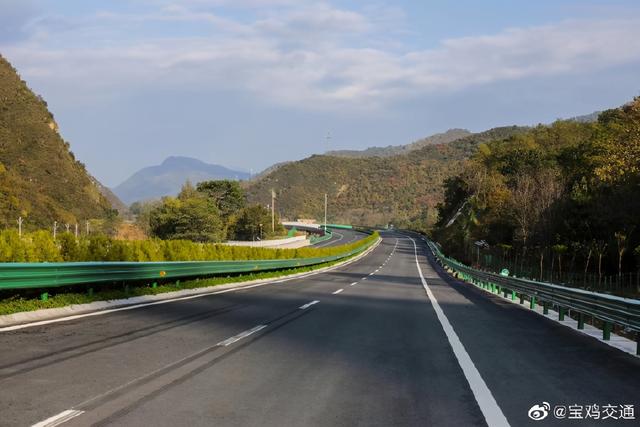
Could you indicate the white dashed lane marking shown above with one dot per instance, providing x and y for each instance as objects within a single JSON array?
[{"x": 309, "y": 304}]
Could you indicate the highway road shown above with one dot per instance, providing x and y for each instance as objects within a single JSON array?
[
  {"x": 341, "y": 237},
  {"x": 383, "y": 341}
]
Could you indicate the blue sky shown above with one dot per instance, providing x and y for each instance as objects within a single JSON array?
[{"x": 247, "y": 83}]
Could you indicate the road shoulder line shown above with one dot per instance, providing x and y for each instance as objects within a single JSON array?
[{"x": 487, "y": 403}]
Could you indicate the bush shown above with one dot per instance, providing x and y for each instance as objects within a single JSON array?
[{"x": 40, "y": 246}]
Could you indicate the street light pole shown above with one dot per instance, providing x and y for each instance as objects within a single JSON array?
[
  {"x": 273, "y": 211},
  {"x": 325, "y": 212}
]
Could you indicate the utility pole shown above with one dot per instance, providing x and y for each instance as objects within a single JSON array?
[
  {"x": 273, "y": 211},
  {"x": 76, "y": 231},
  {"x": 55, "y": 229},
  {"x": 325, "y": 212},
  {"x": 19, "y": 227}
]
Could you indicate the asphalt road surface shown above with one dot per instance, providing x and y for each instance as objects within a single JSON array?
[
  {"x": 366, "y": 344},
  {"x": 341, "y": 237}
]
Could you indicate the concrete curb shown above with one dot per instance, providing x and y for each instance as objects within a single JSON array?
[{"x": 26, "y": 318}]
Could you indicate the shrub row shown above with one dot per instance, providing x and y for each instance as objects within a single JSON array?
[{"x": 40, "y": 246}]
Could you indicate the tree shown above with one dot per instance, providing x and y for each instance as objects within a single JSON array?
[
  {"x": 559, "y": 250},
  {"x": 193, "y": 218},
  {"x": 227, "y": 195},
  {"x": 142, "y": 212},
  {"x": 254, "y": 222}
]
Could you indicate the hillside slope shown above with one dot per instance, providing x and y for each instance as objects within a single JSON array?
[
  {"x": 40, "y": 179},
  {"x": 372, "y": 190},
  {"x": 167, "y": 178},
  {"x": 395, "y": 150}
]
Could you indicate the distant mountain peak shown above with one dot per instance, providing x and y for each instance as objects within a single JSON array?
[
  {"x": 167, "y": 178},
  {"x": 173, "y": 161}
]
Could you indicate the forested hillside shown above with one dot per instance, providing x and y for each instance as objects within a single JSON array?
[
  {"x": 402, "y": 189},
  {"x": 394, "y": 150},
  {"x": 558, "y": 202},
  {"x": 40, "y": 179}
]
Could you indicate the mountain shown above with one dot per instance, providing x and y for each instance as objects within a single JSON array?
[
  {"x": 116, "y": 203},
  {"x": 268, "y": 170},
  {"x": 394, "y": 150},
  {"x": 587, "y": 118},
  {"x": 40, "y": 179},
  {"x": 370, "y": 190},
  {"x": 166, "y": 179}
]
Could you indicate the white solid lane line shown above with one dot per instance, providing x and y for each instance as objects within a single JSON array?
[
  {"x": 487, "y": 403},
  {"x": 338, "y": 291},
  {"x": 241, "y": 335},
  {"x": 307, "y": 305},
  {"x": 353, "y": 284},
  {"x": 59, "y": 419}
]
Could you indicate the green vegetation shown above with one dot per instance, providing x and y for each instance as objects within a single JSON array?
[
  {"x": 559, "y": 202},
  {"x": 255, "y": 222},
  {"x": 40, "y": 246},
  {"x": 401, "y": 189},
  {"x": 395, "y": 150},
  {"x": 190, "y": 216},
  {"x": 40, "y": 180},
  {"x": 212, "y": 212}
]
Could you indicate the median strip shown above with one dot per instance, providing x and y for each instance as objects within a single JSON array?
[{"x": 21, "y": 320}]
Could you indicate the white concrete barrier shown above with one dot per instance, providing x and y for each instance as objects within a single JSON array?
[{"x": 290, "y": 242}]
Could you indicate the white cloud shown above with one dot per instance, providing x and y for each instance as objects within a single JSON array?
[{"x": 307, "y": 55}]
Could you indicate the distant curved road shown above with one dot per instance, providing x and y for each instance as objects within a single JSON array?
[{"x": 341, "y": 237}]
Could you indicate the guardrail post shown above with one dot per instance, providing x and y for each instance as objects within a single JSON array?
[
  {"x": 560, "y": 313},
  {"x": 513, "y": 295},
  {"x": 532, "y": 303},
  {"x": 606, "y": 331},
  {"x": 44, "y": 296},
  {"x": 177, "y": 283},
  {"x": 580, "y": 320},
  {"x": 638, "y": 343},
  {"x": 154, "y": 285},
  {"x": 126, "y": 289},
  {"x": 505, "y": 292},
  {"x": 545, "y": 307},
  {"x": 90, "y": 292},
  {"x": 521, "y": 298}
]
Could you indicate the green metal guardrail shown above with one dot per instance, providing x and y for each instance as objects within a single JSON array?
[
  {"x": 339, "y": 226},
  {"x": 609, "y": 309},
  {"x": 51, "y": 275},
  {"x": 318, "y": 239}
]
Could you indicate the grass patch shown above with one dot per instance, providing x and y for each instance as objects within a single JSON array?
[{"x": 62, "y": 297}]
